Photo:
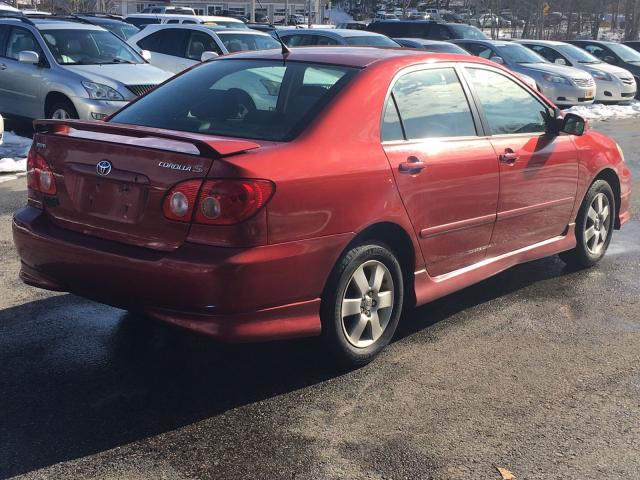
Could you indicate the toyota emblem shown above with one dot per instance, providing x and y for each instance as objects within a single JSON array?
[{"x": 103, "y": 168}]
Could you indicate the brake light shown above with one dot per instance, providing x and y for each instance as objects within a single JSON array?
[
  {"x": 39, "y": 174},
  {"x": 220, "y": 202},
  {"x": 180, "y": 201},
  {"x": 225, "y": 202}
]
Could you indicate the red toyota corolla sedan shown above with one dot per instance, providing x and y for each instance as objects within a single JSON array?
[{"x": 258, "y": 196}]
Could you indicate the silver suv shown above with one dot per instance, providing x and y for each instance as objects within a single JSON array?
[{"x": 61, "y": 69}]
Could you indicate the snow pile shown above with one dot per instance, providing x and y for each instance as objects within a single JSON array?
[
  {"x": 598, "y": 111},
  {"x": 13, "y": 153}
]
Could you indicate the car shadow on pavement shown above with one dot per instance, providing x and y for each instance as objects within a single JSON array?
[{"x": 78, "y": 378}]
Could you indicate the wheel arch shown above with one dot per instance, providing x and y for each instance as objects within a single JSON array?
[
  {"x": 399, "y": 241},
  {"x": 611, "y": 177},
  {"x": 55, "y": 96}
]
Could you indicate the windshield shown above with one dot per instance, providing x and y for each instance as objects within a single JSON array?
[
  {"x": 467, "y": 32},
  {"x": 627, "y": 54},
  {"x": 242, "y": 42},
  {"x": 515, "y": 53},
  {"x": 123, "y": 30},
  {"x": 580, "y": 55},
  {"x": 258, "y": 99},
  {"x": 88, "y": 47},
  {"x": 371, "y": 41}
]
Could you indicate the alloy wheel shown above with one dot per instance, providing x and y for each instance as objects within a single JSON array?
[
  {"x": 598, "y": 224},
  {"x": 367, "y": 304},
  {"x": 60, "y": 114}
]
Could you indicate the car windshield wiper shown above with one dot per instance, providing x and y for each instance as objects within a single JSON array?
[
  {"x": 116, "y": 60},
  {"x": 589, "y": 62}
]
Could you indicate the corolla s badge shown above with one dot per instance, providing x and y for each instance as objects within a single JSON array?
[{"x": 103, "y": 168}]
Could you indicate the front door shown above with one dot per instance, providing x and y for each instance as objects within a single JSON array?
[
  {"x": 447, "y": 175},
  {"x": 538, "y": 172}
]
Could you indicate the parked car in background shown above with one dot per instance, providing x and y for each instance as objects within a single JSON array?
[
  {"x": 35, "y": 13},
  {"x": 334, "y": 36},
  {"x": 1, "y": 129},
  {"x": 174, "y": 48},
  {"x": 320, "y": 199},
  {"x": 169, "y": 10},
  {"x": 613, "y": 84},
  {"x": 352, "y": 26},
  {"x": 141, "y": 20},
  {"x": 613, "y": 53},
  {"x": 112, "y": 23},
  {"x": 427, "y": 30},
  {"x": 58, "y": 69},
  {"x": 262, "y": 27},
  {"x": 635, "y": 44},
  {"x": 565, "y": 86},
  {"x": 493, "y": 21},
  {"x": 431, "y": 45},
  {"x": 381, "y": 16}
]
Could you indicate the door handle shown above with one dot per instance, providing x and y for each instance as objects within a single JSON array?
[
  {"x": 509, "y": 156},
  {"x": 413, "y": 165}
]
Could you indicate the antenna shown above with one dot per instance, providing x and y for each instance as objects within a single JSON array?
[{"x": 285, "y": 49}]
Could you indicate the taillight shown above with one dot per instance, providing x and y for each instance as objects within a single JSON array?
[
  {"x": 220, "y": 202},
  {"x": 225, "y": 202},
  {"x": 39, "y": 174},
  {"x": 180, "y": 201}
]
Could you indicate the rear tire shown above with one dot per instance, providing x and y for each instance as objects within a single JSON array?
[
  {"x": 362, "y": 304},
  {"x": 62, "y": 110},
  {"x": 594, "y": 227}
]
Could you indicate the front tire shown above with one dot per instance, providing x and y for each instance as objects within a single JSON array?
[
  {"x": 362, "y": 304},
  {"x": 62, "y": 110},
  {"x": 594, "y": 226}
]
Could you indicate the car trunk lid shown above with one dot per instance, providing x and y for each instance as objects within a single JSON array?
[{"x": 112, "y": 179}]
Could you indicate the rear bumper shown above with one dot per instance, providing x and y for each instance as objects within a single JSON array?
[{"x": 252, "y": 294}]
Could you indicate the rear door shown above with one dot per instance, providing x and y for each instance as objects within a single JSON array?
[
  {"x": 446, "y": 171},
  {"x": 538, "y": 172}
]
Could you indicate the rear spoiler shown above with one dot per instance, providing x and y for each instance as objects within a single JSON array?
[{"x": 147, "y": 137}]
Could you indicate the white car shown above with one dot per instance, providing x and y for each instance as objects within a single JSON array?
[
  {"x": 613, "y": 84},
  {"x": 174, "y": 48},
  {"x": 141, "y": 20}
]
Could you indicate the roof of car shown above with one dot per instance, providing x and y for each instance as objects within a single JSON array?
[
  {"x": 352, "y": 56},
  {"x": 422, "y": 41},
  {"x": 199, "y": 26},
  {"x": 592, "y": 41},
  {"x": 338, "y": 32},
  {"x": 53, "y": 24},
  {"x": 495, "y": 43}
]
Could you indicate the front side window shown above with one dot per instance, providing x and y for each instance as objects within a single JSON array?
[
  {"x": 432, "y": 104},
  {"x": 508, "y": 107},
  {"x": 256, "y": 99},
  {"x": 21, "y": 40},
  {"x": 549, "y": 53},
  {"x": 243, "y": 42},
  {"x": 88, "y": 47},
  {"x": 200, "y": 42},
  {"x": 480, "y": 50}
]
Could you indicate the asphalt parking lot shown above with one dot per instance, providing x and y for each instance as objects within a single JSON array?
[{"x": 536, "y": 370}]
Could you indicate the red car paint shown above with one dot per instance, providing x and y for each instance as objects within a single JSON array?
[{"x": 466, "y": 217}]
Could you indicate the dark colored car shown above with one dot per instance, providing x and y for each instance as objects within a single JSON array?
[
  {"x": 621, "y": 55},
  {"x": 431, "y": 45},
  {"x": 303, "y": 37},
  {"x": 262, "y": 27},
  {"x": 123, "y": 29},
  {"x": 352, "y": 25},
  {"x": 258, "y": 196},
  {"x": 635, "y": 44},
  {"x": 425, "y": 29}
]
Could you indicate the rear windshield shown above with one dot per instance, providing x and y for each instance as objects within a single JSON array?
[
  {"x": 242, "y": 42},
  {"x": 259, "y": 99},
  {"x": 467, "y": 32},
  {"x": 370, "y": 41}
]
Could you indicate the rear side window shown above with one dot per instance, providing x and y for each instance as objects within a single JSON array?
[
  {"x": 200, "y": 42},
  {"x": 432, "y": 104},
  {"x": 479, "y": 50},
  {"x": 298, "y": 40},
  {"x": 507, "y": 106},
  {"x": 241, "y": 98},
  {"x": 242, "y": 42}
]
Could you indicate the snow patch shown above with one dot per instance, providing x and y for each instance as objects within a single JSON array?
[
  {"x": 598, "y": 111},
  {"x": 13, "y": 153}
]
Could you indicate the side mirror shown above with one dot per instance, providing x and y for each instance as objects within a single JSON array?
[
  {"x": 206, "y": 56},
  {"x": 28, "y": 56},
  {"x": 146, "y": 55},
  {"x": 609, "y": 59},
  {"x": 560, "y": 61},
  {"x": 573, "y": 124},
  {"x": 498, "y": 60}
]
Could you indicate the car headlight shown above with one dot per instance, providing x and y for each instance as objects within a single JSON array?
[
  {"x": 555, "y": 79},
  {"x": 599, "y": 75},
  {"x": 97, "y": 91}
]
